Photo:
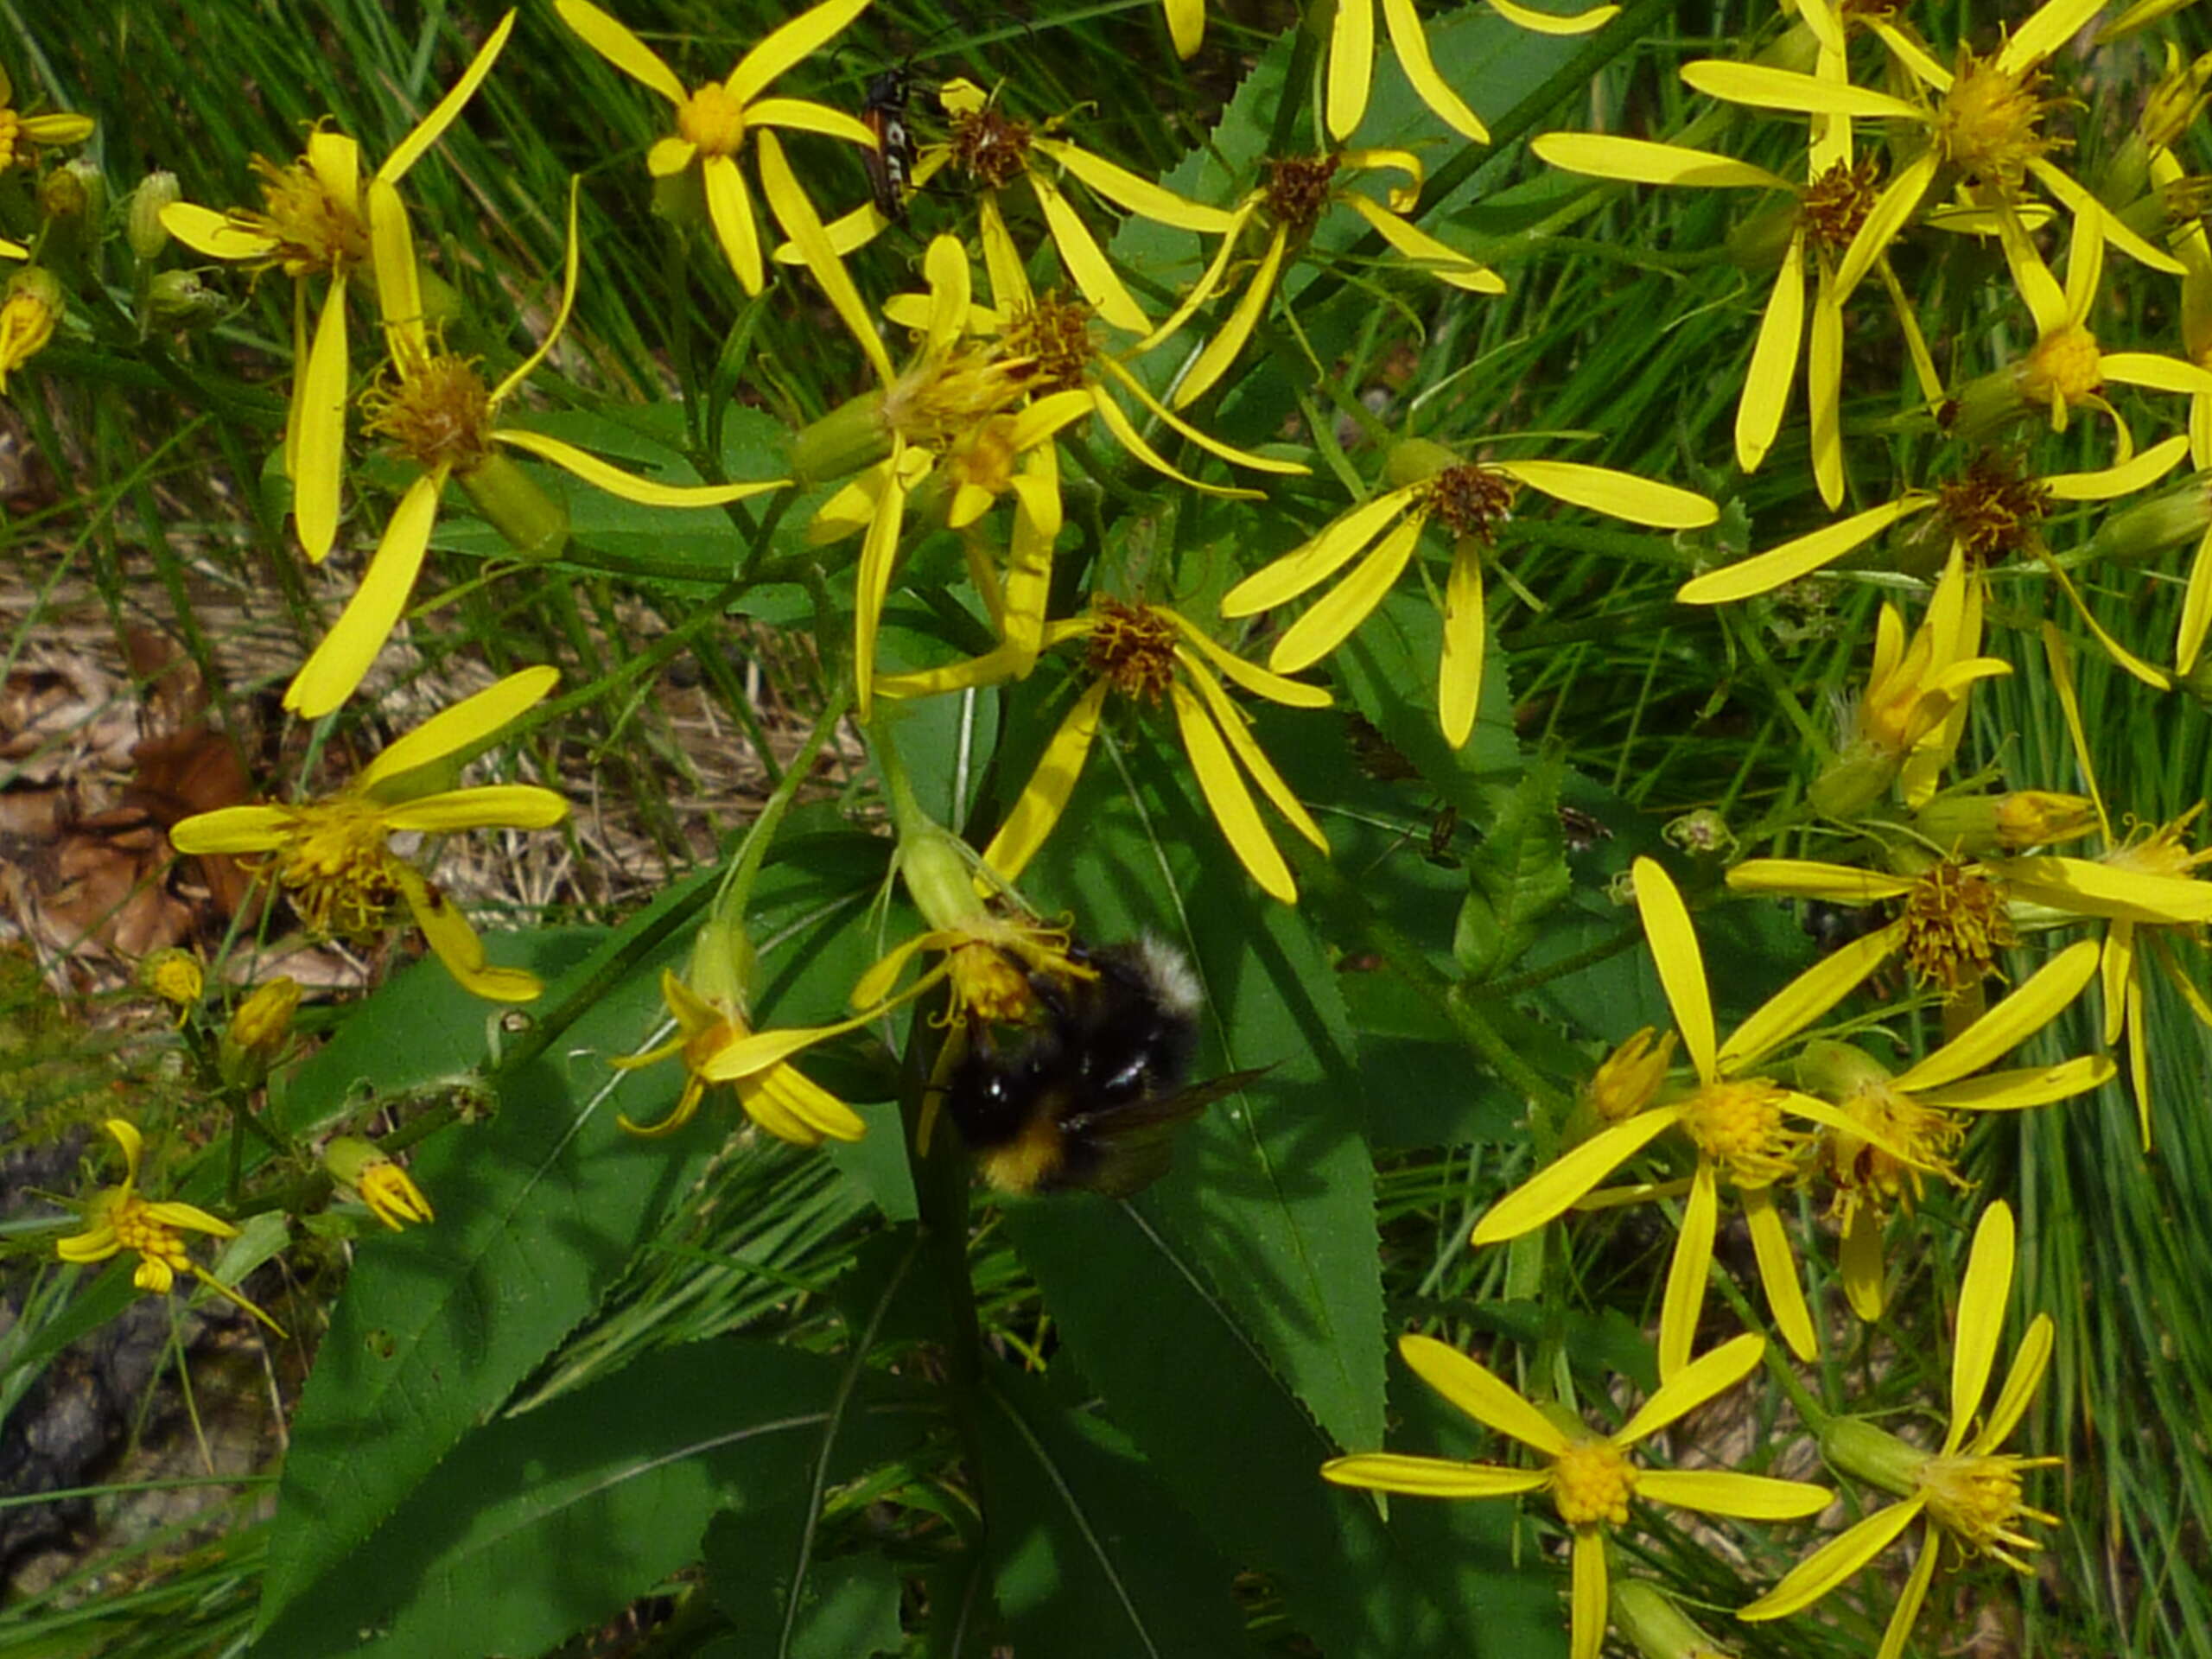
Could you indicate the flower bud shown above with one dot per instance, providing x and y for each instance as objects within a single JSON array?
[
  {"x": 1968, "y": 826},
  {"x": 143, "y": 228},
  {"x": 75, "y": 192},
  {"x": 1702, "y": 834},
  {"x": 381, "y": 1184},
  {"x": 1648, "y": 1618},
  {"x": 1874, "y": 1455},
  {"x": 1835, "y": 1070},
  {"x": 1627, "y": 1079},
  {"x": 27, "y": 316},
  {"x": 257, "y": 1032},
  {"x": 849, "y": 437},
  {"x": 178, "y": 299},
  {"x": 177, "y": 977},
  {"x": 2171, "y": 518},
  {"x": 723, "y": 967}
]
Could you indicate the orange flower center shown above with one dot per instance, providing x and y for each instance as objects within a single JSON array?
[
  {"x": 1134, "y": 646},
  {"x": 1297, "y": 189},
  {"x": 1955, "y": 924},
  {"x": 313, "y": 230},
  {"x": 1739, "y": 1125},
  {"x": 1989, "y": 125},
  {"x": 711, "y": 119},
  {"x": 990, "y": 148},
  {"x": 437, "y": 412},
  {"x": 1591, "y": 1483},
  {"x": 1054, "y": 334},
  {"x": 1471, "y": 500},
  {"x": 1835, "y": 203},
  {"x": 1992, "y": 511}
]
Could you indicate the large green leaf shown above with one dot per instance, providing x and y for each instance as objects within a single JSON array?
[
  {"x": 550, "y": 1522},
  {"x": 1092, "y": 1559}
]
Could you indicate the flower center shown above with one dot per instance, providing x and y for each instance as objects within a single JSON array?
[
  {"x": 1739, "y": 1125},
  {"x": 1054, "y": 334},
  {"x": 1954, "y": 924},
  {"x": 2063, "y": 367},
  {"x": 711, "y": 119},
  {"x": 437, "y": 412},
  {"x": 1977, "y": 1501},
  {"x": 945, "y": 395},
  {"x": 1993, "y": 511},
  {"x": 1987, "y": 124},
  {"x": 161, "y": 1246},
  {"x": 1591, "y": 1483},
  {"x": 1835, "y": 204},
  {"x": 337, "y": 868},
  {"x": 1133, "y": 645},
  {"x": 11, "y": 127},
  {"x": 701, "y": 1045},
  {"x": 313, "y": 230},
  {"x": 1865, "y": 1173},
  {"x": 1297, "y": 189},
  {"x": 989, "y": 147},
  {"x": 2160, "y": 851},
  {"x": 1471, "y": 499}
]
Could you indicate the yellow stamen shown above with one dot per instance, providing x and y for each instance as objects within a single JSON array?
[
  {"x": 437, "y": 412},
  {"x": 1591, "y": 1483},
  {"x": 313, "y": 230},
  {"x": 1835, "y": 203},
  {"x": 713, "y": 120},
  {"x": 1134, "y": 646},
  {"x": 1991, "y": 510},
  {"x": 1297, "y": 189},
  {"x": 1739, "y": 1125},
  {"x": 1988, "y": 125},
  {"x": 990, "y": 148},
  {"x": 1471, "y": 499},
  {"x": 1977, "y": 1501},
  {"x": 1955, "y": 924}
]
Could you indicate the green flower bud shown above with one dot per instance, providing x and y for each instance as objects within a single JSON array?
[
  {"x": 143, "y": 228},
  {"x": 534, "y": 524}
]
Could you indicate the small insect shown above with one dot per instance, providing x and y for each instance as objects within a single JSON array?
[
  {"x": 891, "y": 163},
  {"x": 1091, "y": 1095}
]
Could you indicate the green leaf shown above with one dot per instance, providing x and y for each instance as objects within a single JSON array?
[
  {"x": 1092, "y": 1559},
  {"x": 1518, "y": 874},
  {"x": 553, "y": 1521}
]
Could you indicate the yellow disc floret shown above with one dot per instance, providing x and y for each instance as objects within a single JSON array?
[
  {"x": 438, "y": 412},
  {"x": 315, "y": 231},
  {"x": 1591, "y": 1483},
  {"x": 1133, "y": 645},
  {"x": 713, "y": 120},
  {"x": 1739, "y": 1125},
  {"x": 1977, "y": 1501},
  {"x": 1955, "y": 924}
]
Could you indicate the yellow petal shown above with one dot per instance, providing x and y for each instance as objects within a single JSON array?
[
  {"x": 233, "y": 830},
  {"x": 2008, "y": 1024},
  {"x": 1859, "y": 1264},
  {"x": 214, "y": 234},
  {"x": 808, "y": 1101},
  {"x": 1351, "y": 65},
  {"x": 1440, "y": 260},
  {"x": 1317, "y": 560},
  {"x": 1638, "y": 161},
  {"x": 1893, "y": 210},
  {"x": 1720, "y": 1491},
  {"x": 1551, "y": 22},
  {"x": 2195, "y": 607},
  {"x": 1824, "y": 389},
  {"x": 2021, "y": 1384},
  {"x": 1140, "y": 195},
  {"x": 125, "y": 1135},
  {"x": 729, "y": 208},
  {"x": 2033, "y": 1085},
  {"x": 1561, "y": 1185},
  {"x": 1086, "y": 262},
  {"x": 1764, "y": 88},
  {"x": 621, "y": 48},
  {"x": 788, "y": 44},
  {"x": 1292, "y": 693},
  {"x": 1835, "y": 1562},
  {"x": 319, "y": 420},
  {"x": 1227, "y": 799},
  {"x": 400, "y": 279},
  {"x": 1586, "y": 1595},
  {"x": 878, "y": 555},
  {"x": 427, "y": 132},
  {"x": 1045, "y": 795},
  {"x": 2089, "y": 889},
  {"x": 1331, "y": 619},
  {"x": 1804, "y": 879},
  {"x": 1117, "y": 423},
  {"x": 463, "y": 725},
  {"x": 1675, "y": 952},
  {"x": 1807, "y": 997},
  {"x": 1392, "y": 1471},
  {"x": 1209, "y": 280},
  {"x": 1618, "y": 495},
  {"x": 1774, "y": 360},
  {"x": 528, "y": 366},
  {"x": 1186, "y": 25},
  {"x": 1763, "y": 572},
  {"x": 2053, "y": 24},
  {"x": 1785, "y": 1297},
  {"x": 1459, "y": 663},
  {"x": 1411, "y": 45},
  {"x": 337, "y": 664},
  {"x": 2105, "y": 483},
  {"x": 481, "y": 806},
  {"x": 1222, "y": 350},
  {"x": 454, "y": 943},
  {"x": 670, "y": 157},
  {"x": 1983, "y": 1296},
  {"x": 1480, "y": 1393},
  {"x": 1230, "y": 720},
  {"x": 1692, "y": 1386},
  {"x": 1688, "y": 1270},
  {"x": 192, "y": 1217},
  {"x": 804, "y": 115},
  {"x": 629, "y": 485},
  {"x": 2157, "y": 373}
]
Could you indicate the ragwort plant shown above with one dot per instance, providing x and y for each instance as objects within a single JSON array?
[{"x": 1045, "y": 529}]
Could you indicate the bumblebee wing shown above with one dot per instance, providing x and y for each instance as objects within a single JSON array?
[{"x": 1133, "y": 1143}]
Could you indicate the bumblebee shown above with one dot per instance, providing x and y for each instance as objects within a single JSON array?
[{"x": 1089, "y": 1094}]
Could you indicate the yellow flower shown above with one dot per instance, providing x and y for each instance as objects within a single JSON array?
[
  {"x": 1736, "y": 1121},
  {"x": 435, "y": 408},
  {"x": 119, "y": 1218},
  {"x": 1968, "y": 1491},
  {"x": 315, "y": 222},
  {"x": 1468, "y": 498},
  {"x": 1298, "y": 191},
  {"x": 1908, "y": 719},
  {"x": 1908, "y": 1126},
  {"x": 1152, "y": 654},
  {"x": 713, "y": 124},
  {"x": 21, "y": 137},
  {"x": 1831, "y": 205},
  {"x": 991, "y": 150},
  {"x": 1627, "y": 1079},
  {"x": 34, "y": 305},
  {"x": 391, "y": 1197},
  {"x": 176, "y": 977},
  {"x": 1590, "y": 1479},
  {"x": 719, "y": 1045},
  {"x": 329, "y": 855},
  {"x": 1982, "y": 125},
  {"x": 1351, "y": 58},
  {"x": 1989, "y": 510}
]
